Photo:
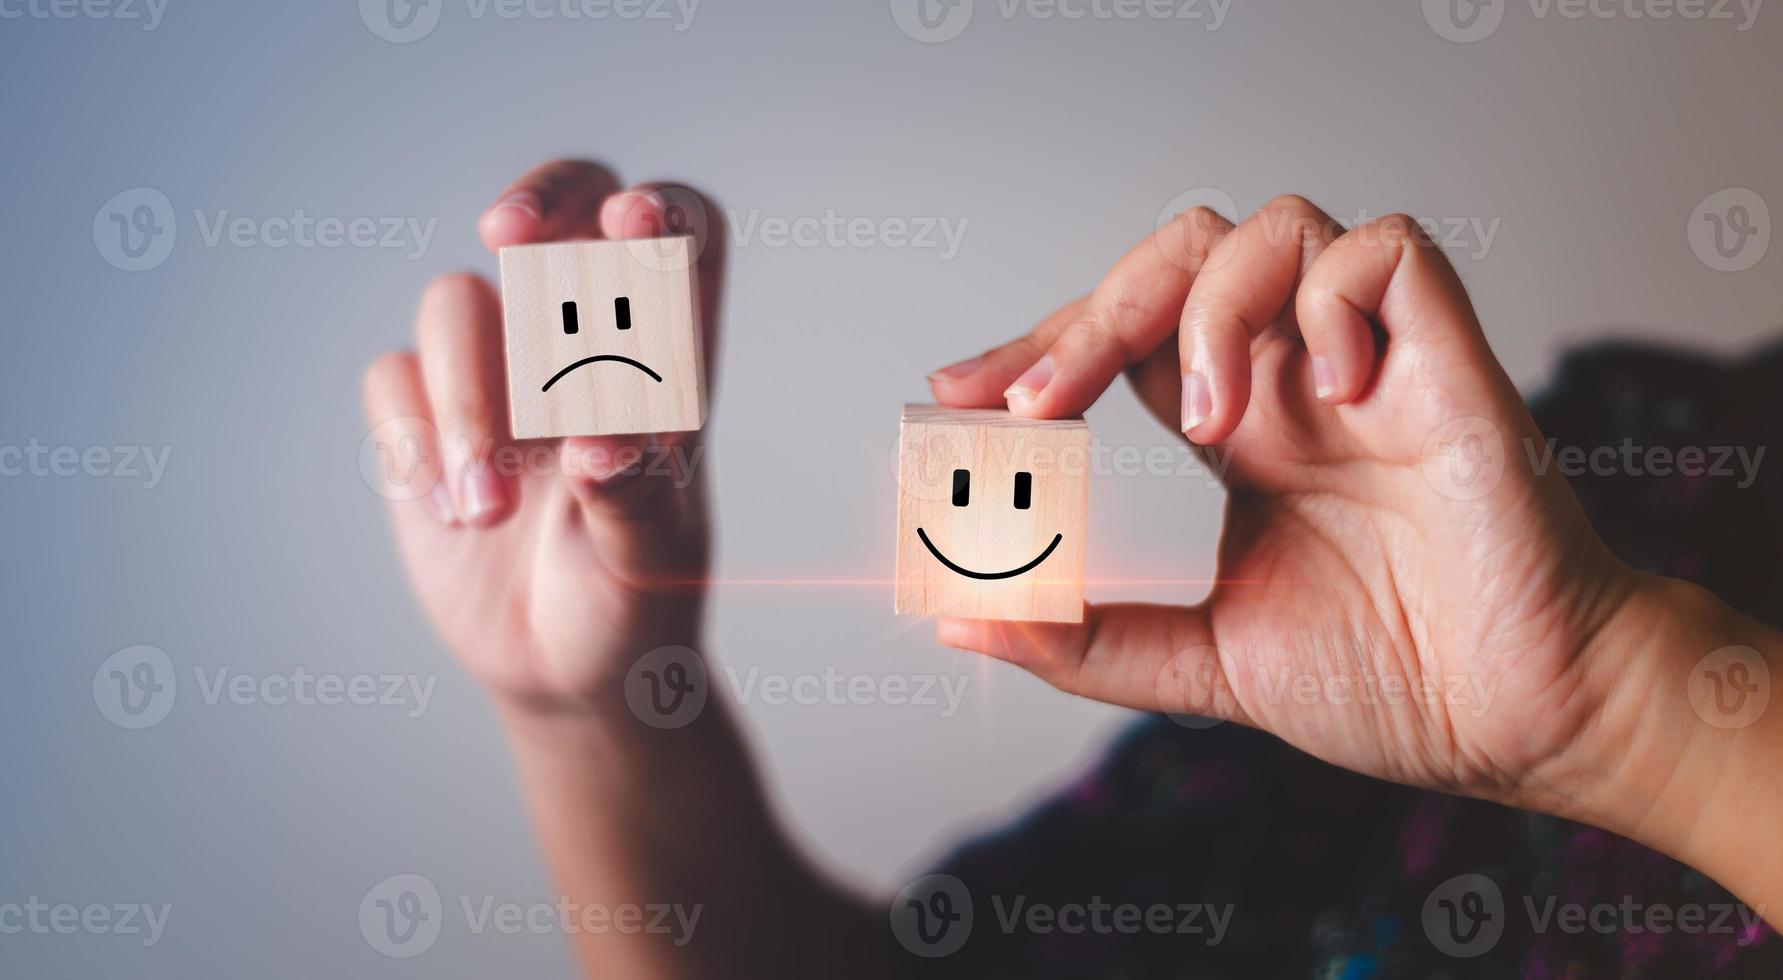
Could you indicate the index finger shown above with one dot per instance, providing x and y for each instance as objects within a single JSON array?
[{"x": 1132, "y": 312}]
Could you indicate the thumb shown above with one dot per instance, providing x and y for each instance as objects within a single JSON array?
[
  {"x": 639, "y": 500},
  {"x": 1149, "y": 657}
]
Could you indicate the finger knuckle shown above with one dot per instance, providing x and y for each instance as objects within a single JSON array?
[
  {"x": 1189, "y": 236},
  {"x": 1029, "y": 346},
  {"x": 1096, "y": 328},
  {"x": 1396, "y": 229},
  {"x": 1106, "y": 325},
  {"x": 1201, "y": 219},
  {"x": 1291, "y": 219},
  {"x": 1293, "y": 204}
]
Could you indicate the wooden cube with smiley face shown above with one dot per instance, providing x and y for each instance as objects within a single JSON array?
[
  {"x": 992, "y": 511},
  {"x": 603, "y": 338}
]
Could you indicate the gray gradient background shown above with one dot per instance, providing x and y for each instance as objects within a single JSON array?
[{"x": 1058, "y": 141}]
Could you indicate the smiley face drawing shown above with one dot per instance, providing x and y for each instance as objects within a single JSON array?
[
  {"x": 991, "y": 515},
  {"x": 603, "y": 338},
  {"x": 962, "y": 497}
]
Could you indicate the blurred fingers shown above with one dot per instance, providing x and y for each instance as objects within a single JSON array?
[
  {"x": 458, "y": 332},
  {"x": 557, "y": 201},
  {"x": 407, "y": 443}
]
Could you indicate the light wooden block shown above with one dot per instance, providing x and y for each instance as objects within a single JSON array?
[
  {"x": 600, "y": 379},
  {"x": 985, "y": 557}
]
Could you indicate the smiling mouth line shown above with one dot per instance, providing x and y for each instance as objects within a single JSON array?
[
  {"x": 599, "y": 357},
  {"x": 988, "y": 576}
]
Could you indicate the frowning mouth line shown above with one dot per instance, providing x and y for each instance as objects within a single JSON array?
[
  {"x": 599, "y": 357},
  {"x": 988, "y": 576}
]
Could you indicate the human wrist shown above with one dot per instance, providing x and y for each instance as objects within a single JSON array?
[{"x": 1683, "y": 753}]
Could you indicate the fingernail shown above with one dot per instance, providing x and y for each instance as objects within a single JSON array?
[
  {"x": 439, "y": 502},
  {"x": 1324, "y": 379},
  {"x": 525, "y": 201},
  {"x": 1197, "y": 402},
  {"x": 1032, "y": 381},
  {"x": 479, "y": 492},
  {"x": 954, "y": 372}
]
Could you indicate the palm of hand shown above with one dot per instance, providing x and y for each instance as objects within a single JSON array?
[
  {"x": 535, "y": 608},
  {"x": 1391, "y": 615}
]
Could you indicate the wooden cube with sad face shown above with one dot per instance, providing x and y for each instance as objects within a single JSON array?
[
  {"x": 603, "y": 338},
  {"x": 991, "y": 515}
]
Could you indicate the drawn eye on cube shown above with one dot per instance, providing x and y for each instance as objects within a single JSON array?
[
  {"x": 602, "y": 338},
  {"x": 992, "y": 511}
]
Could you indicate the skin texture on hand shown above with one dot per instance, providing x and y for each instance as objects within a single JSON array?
[
  {"x": 1336, "y": 367},
  {"x": 550, "y": 580},
  {"x": 547, "y": 566},
  {"x": 1399, "y": 591}
]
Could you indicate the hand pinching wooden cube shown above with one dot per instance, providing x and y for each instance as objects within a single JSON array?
[
  {"x": 992, "y": 511},
  {"x": 603, "y": 338}
]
